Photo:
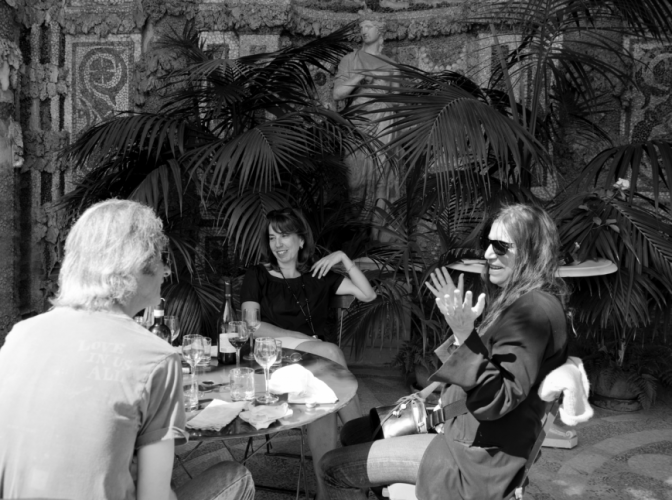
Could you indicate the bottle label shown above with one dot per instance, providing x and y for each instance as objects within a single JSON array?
[
  {"x": 158, "y": 313},
  {"x": 224, "y": 344}
]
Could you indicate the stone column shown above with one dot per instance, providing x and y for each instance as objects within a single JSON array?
[{"x": 11, "y": 148}]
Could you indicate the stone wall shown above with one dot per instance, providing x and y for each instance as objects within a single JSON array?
[
  {"x": 10, "y": 159},
  {"x": 69, "y": 64}
]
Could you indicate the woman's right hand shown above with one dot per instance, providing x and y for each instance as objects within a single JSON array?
[{"x": 442, "y": 284}]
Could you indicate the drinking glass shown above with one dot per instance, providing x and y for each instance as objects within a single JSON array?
[
  {"x": 278, "y": 359},
  {"x": 252, "y": 317},
  {"x": 173, "y": 323},
  {"x": 193, "y": 349},
  {"x": 204, "y": 363},
  {"x": 265, "y": 352},
  {"x": 238, "y": 333},
  {"x": 241, "y": 383}
]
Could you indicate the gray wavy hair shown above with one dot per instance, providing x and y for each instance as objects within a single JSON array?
[{"x": 109, "y": 243}]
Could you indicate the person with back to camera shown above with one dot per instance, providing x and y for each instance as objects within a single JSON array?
[
  {"x": 92, "y": 401},
  {"x": 494, "y": 371},
  {"x": 293, "y": 297}
]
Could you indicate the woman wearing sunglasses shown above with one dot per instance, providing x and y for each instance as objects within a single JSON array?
[
  {"x": 491, "y": 371},
  {"x": 293, "y": 296}
]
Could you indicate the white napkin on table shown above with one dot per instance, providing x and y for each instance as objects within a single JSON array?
[
  {"x": 216, "y": 415},
  {"x": 301, "y": 385},
  {"x": 260, "y": 417}
]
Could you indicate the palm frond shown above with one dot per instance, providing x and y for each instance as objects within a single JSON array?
[
  {"x": 628, "y": 162},
  {"x": 196, "y": 304},
  {"x": 386, "y": 315}
]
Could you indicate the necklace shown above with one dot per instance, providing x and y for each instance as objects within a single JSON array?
[{"x": 308, "y": 316}]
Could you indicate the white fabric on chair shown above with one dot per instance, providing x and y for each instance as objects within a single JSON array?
[{"x": 571, "y": 381}]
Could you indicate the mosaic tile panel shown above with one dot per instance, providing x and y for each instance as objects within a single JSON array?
[
  {"x": 100, "y": 76},
  {"x": 647, "y": 113},
  {"x": 650, "y": 108},
  {"x": 258, "y": 44},
  {"x": 226, "y": 40}
]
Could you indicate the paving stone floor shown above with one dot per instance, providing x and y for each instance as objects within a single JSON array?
[{"x": 620, "y": 456}]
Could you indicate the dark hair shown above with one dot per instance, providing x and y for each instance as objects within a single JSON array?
[
  {"x": 287, "y": 221},
  {"x": 537, "y": 244}
]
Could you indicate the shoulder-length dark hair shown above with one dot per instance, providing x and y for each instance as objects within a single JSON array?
[
  {"x": 287, "y": 221},
  {"x": 537, "y": 243}
]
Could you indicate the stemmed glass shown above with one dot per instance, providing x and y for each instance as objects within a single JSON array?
[
  {"x": 173, "y": 323},
  {"x": 252, "y": 317},
  {"x": 265, "y": 352},
  {"x": 193, "y": 350},
  {"x": 237, "y": 333}
]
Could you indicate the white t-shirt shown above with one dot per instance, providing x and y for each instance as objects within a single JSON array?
[{"x": 80, "y": 392}]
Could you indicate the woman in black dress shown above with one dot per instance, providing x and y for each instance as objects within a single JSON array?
[{"x": 293, "y": 297}]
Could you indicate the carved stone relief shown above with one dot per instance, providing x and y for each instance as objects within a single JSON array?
[{"x": 100, "y": 76}]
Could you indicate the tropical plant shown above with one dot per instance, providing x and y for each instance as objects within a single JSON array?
[
  {"x": 635, "y": 377},
  {"x": 230, "y": 141},
  {"x": 414, "y": 353},
  {"x": 246, "y": 136},
  {"x": 553, "y": 83}
]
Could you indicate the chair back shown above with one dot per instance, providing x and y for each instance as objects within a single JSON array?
[{"x": 551, "y": 413}]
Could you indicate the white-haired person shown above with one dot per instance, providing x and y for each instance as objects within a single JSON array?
[
  {"x": 92, "y": 403},
  {"x": 492, "y": 374}
]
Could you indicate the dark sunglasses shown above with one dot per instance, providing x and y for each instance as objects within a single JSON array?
[{"x": 499, "y": 247}]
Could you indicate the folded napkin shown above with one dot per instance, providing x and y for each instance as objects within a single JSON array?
[
  {"x": 216, "y": 415},
  {"x": 262, "y": 416},
  {"x": 301, "y": 385},
  {"x": 569, "y": 379}
]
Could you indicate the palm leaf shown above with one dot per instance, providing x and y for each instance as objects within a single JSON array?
[
  {"x": 195, "y": 304},
  {"x": 627, "y": 162}
]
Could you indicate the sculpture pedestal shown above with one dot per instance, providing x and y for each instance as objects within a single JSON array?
[{"x": 560, "y": 438}]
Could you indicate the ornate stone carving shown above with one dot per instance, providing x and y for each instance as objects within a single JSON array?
[{"x": 100, "y": 76}]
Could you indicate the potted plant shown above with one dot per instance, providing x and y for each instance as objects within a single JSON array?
[
  {"x": 629, "y": 382},
  {"x": 417, "y": 362}
]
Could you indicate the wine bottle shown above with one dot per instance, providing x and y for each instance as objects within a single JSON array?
[
  {"x": 226, "y": 353},
  {"x": 159, "y": 328}
]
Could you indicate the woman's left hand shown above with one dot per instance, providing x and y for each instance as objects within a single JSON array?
[
  {"x": 461, "y": 314},
  {"x": 322, "y": 266}
]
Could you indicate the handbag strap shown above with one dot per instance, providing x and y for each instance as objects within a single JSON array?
[
  {"x": 447, "y": 412},
  {"x": 434, "y": 418}
]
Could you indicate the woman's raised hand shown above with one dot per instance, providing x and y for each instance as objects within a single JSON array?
[
  {"x": 460, "y": 313},
  {"x": 442, "y": 284},
  {"x": 322, "y": 266}
]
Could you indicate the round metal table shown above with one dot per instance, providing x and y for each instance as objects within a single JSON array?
[{"x": 341, "y": 381}]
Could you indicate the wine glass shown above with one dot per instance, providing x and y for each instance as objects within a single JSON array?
[
  {"x": 173, "y": 323},
  {"x": 237, "y": 333},
  {"x": 251, "y": 316},
  {"x": 193, "y": 350},
  {"x": 265, "y": 352}
]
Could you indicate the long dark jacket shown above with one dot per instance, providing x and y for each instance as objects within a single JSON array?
[{"x": 499, "y": 374}]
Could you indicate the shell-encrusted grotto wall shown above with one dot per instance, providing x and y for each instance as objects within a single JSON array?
[{"x": 66, "y": 64}]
